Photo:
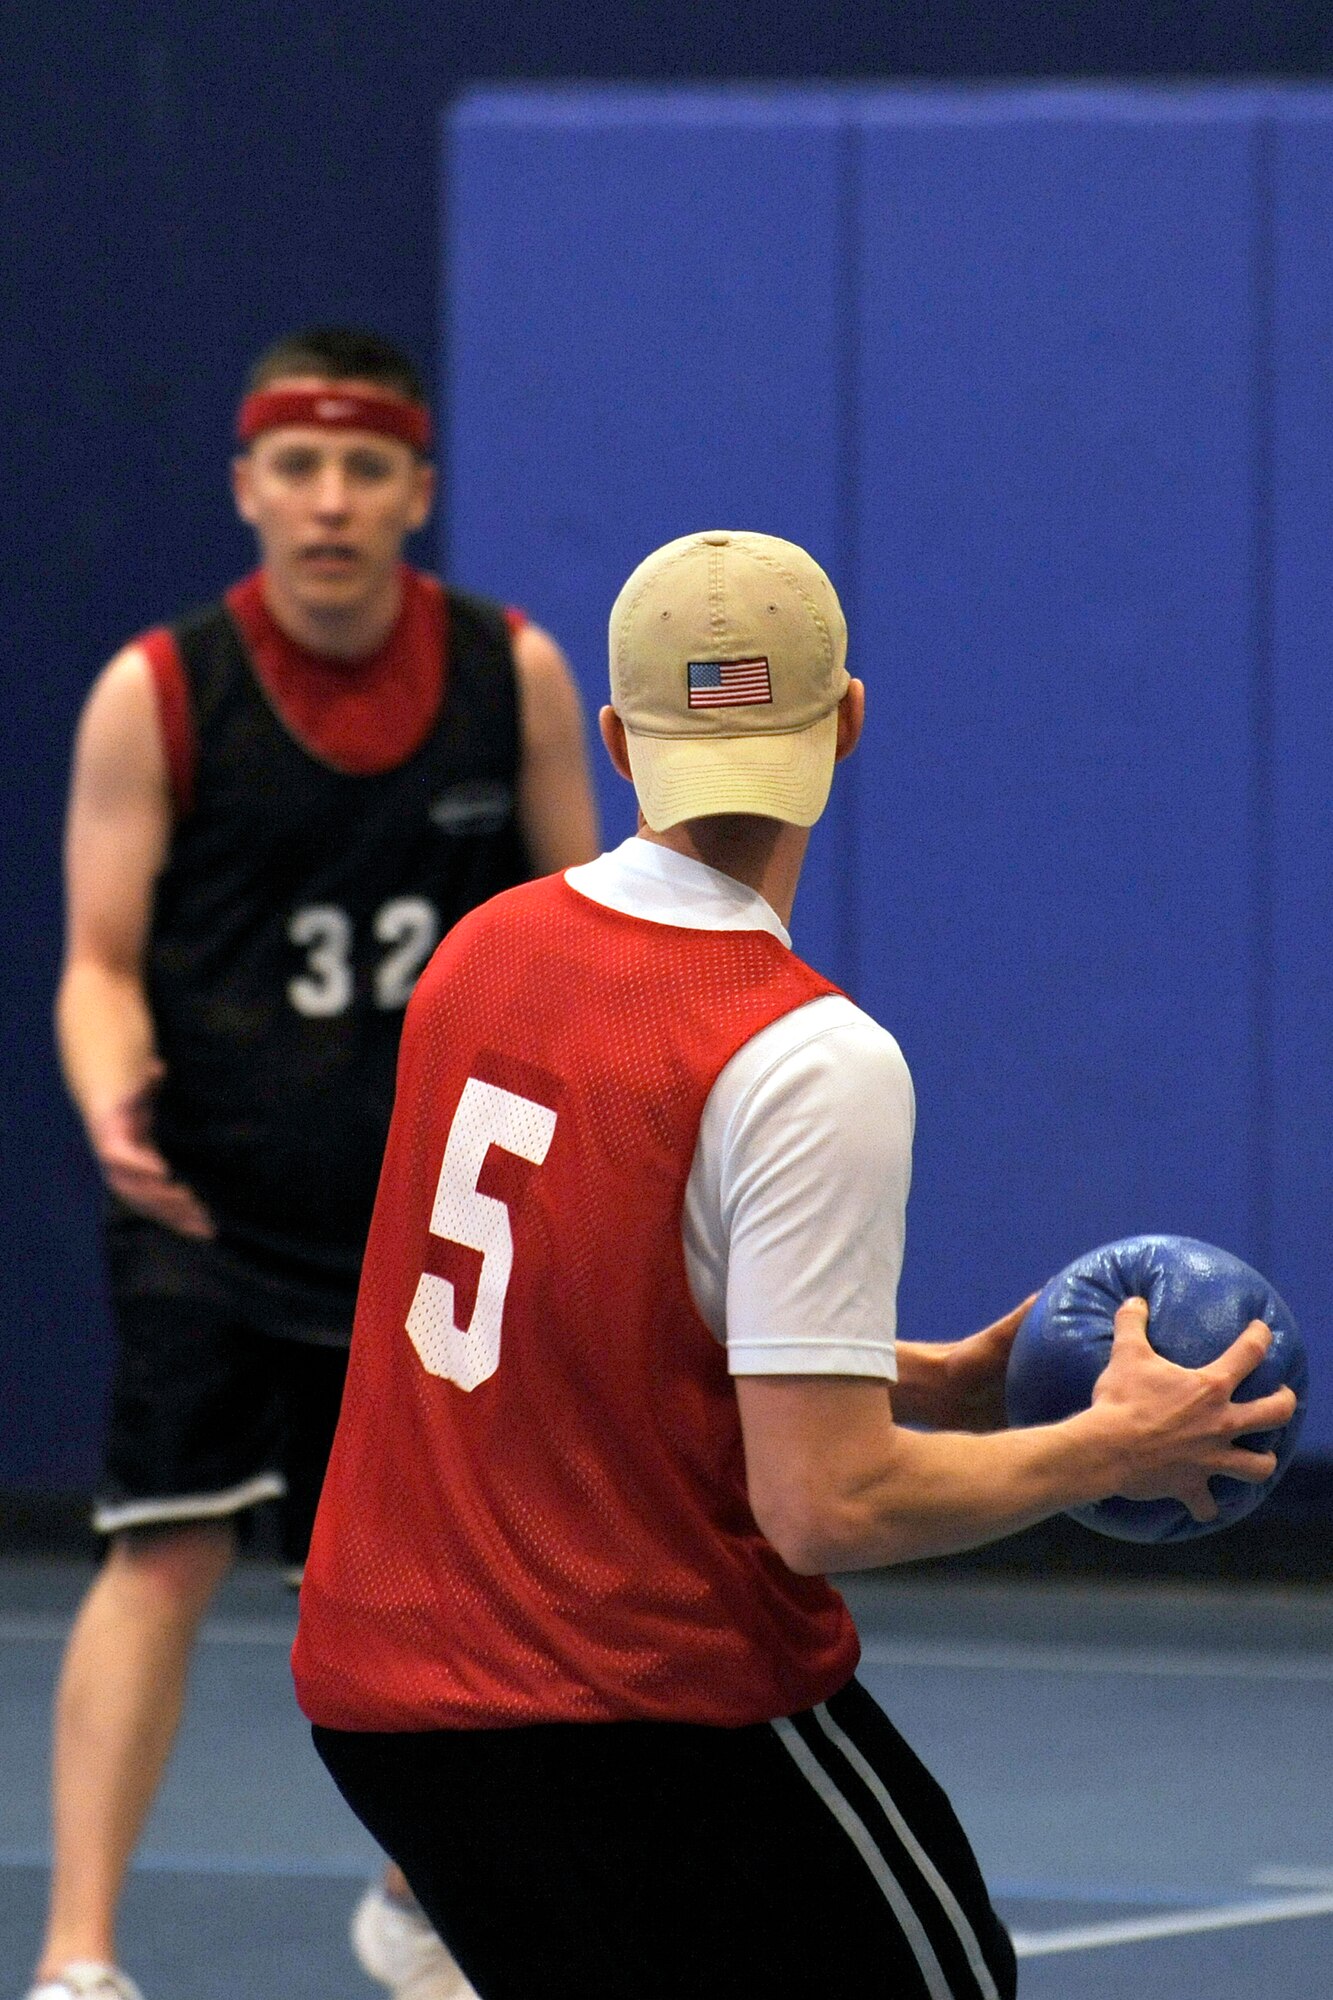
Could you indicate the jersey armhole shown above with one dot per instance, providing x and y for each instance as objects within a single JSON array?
[
  {"x": 174, "y": 713},
  {"x": 515, "y": 620}
]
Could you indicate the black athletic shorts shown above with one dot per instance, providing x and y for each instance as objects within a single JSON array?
[
  {"x": 814, "y": 1856},
  {"x": 210, "y": 1412}
]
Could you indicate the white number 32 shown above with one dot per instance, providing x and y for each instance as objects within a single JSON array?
[
  {"x": 409, "y": 925},
  {"x": 486, "y": 1116}
]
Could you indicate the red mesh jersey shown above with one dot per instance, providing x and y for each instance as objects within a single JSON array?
[{"x": 536, "y": 1509}]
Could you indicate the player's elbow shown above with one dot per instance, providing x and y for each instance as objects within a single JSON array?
[
  {"x": 804, "y": 1552},
  {"x": 821, "y": 1528},
  {"x": 809, "y": 1529}
]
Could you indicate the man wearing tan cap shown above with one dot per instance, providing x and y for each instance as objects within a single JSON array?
[{"x": 620, "y": 1390}]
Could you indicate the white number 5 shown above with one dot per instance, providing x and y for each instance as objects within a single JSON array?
[{"x": 486, "y": 1116}]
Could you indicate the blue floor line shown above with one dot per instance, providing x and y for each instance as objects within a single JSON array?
[
  {"x": 1132, "y": 1895},
  {"x": 293, "y": 1867},
  {"x": 39, "y": 1628},
  {"x": 352, "y": 1868},
  {"x": 1027, "y": 1657}
]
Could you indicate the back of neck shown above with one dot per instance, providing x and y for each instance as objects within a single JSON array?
[{"x": 763, "y": 854}]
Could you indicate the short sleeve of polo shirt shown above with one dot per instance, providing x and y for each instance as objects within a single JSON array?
[{"x": 795, "y": 1214}]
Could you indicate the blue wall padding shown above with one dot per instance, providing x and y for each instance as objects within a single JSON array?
[
  {"x": 1008, "y": 363},
  {"x": 1057, "y": 427},
  {"x": 1297, "y": 755},
  {"x": 646, "y": 333},
  {"x": 1043, "y": 376}
]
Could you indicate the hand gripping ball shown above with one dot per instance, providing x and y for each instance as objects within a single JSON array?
[{"x": 1199, "y": 1299}]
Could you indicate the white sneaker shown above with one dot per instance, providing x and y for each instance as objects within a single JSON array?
[
  {"x": 86, "y": 1980},
  {"x": 394, "y": 1943}
]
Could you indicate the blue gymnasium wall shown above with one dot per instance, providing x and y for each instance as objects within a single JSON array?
[
  {"x": 181, "y": 181},
  {"x": 1044, "y": 378}
]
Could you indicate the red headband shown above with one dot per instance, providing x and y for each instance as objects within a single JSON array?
[{"x": 338, "y": 409}]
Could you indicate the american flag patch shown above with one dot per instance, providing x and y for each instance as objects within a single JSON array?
[{"x": 728, "y": 683}]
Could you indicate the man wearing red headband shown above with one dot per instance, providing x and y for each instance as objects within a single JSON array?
[{"x": 278, "y": 808}]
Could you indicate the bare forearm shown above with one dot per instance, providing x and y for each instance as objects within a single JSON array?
[
  {"x": 936, "y": 1493},
  {"x": 923, "y": 1388},
  {"x": 957, "y": 1385},
  {"x": 836, "y": 1482},
  {"x": 104, "y": 1031}
]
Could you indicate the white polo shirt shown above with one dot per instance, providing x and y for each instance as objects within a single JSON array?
[{"x": 795, "y": 1209}]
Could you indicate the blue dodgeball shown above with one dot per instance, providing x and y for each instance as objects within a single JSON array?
[{"x": 1199, "y": 1299}]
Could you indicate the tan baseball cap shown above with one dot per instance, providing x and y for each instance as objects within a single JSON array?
[{"x": 728, "y": 661}]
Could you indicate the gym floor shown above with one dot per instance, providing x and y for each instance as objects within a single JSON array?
[{"x": 1146, "y": 1772}]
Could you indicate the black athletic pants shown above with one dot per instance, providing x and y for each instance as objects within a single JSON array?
[{"x": 813, "y": 1858}]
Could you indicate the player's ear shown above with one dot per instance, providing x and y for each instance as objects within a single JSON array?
[
  {"x": 613, "y": 735},
  {"x": 423, "y": 494},
  {"x": 242, "y": 486},
  {"x": 851, "y": 719}
]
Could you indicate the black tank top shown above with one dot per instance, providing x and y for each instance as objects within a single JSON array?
[{"x": 297, "y": 907}]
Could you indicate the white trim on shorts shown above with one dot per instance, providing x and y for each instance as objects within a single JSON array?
[
  {"x": 109, "y": 1516},
  {"x": 825, "y": 1783}
]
